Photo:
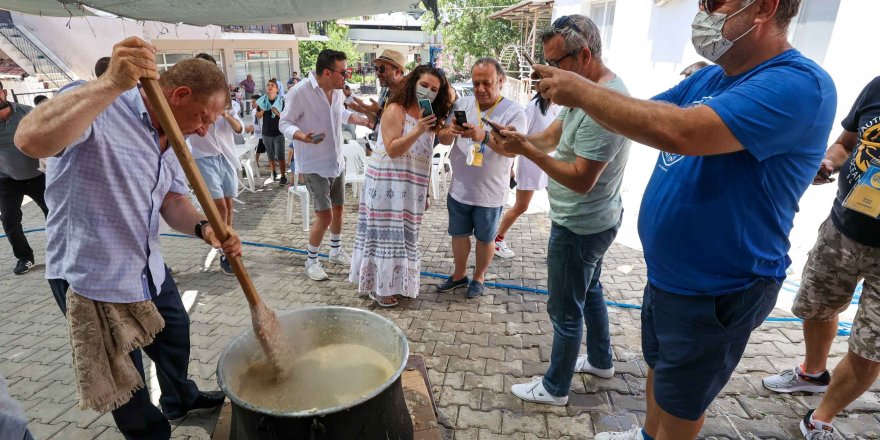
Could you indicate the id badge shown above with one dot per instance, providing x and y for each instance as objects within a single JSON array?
[
  {"x": 475, "y": 155},
  {"x": 865, "y": 195}
]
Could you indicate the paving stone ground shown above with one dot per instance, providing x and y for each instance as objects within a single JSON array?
[{"x": 475, "y": 349}]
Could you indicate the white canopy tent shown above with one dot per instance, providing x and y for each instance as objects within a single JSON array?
[{"x": 218, "y": 12}]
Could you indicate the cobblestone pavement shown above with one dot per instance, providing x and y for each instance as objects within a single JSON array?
[{"x": 475, "y": 349}]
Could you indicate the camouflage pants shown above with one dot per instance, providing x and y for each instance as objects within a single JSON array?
[{"x": 835, "y": 265}]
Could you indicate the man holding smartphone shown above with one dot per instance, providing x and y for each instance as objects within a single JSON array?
[
  {"x": 313, "y": 118},
  {"x": 480, "y": 177},
  {"x": 390, "y": 70},
  {"x": 586, "y": 210}
]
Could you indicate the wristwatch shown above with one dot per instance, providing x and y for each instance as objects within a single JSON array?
[
  {"x": 199, "y": 228},
  {"x": 486, "y": 139}
]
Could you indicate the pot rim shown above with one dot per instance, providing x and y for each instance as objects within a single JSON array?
[{"x": 224, "y": 386}]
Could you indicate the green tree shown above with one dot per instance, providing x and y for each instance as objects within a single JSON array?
[
  {"x": 469, "y": 33},
  {"x": 337, "y": 39}
]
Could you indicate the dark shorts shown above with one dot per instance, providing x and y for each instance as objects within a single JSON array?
[
  {"x": 261, "y": 148},
  {"x": 693, "y": 343},
  {"x": 466, "y": 220}
]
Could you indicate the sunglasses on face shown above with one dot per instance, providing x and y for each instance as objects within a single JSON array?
[
  {"x": 711, "y": 5},
  {"x": 383, "y": 69},
  {"x": 344, "y": 73}
]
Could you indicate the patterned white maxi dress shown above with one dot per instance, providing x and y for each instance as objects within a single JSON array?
[{"x": 386, "y": 259}]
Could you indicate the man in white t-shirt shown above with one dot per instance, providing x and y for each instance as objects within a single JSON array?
[{"x": 480, "y": 177}]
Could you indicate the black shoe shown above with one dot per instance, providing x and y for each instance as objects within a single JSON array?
[
  {"x": 274, "y": 176},
  {"x": 450, "y": 285},
  {"x": 475, "y": 289},
  {"x": 224, "y": 264},
  {"x": 23, "y": 267},
  {"x": 283, "y": 180},
  {"x": 206, "y": 400}
]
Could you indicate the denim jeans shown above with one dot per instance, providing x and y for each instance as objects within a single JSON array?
[{"x": 574, "y": 263}]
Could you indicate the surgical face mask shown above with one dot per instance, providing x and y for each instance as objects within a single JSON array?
[
  {"x": 423, "y": 92},
  {"x": 707, "y": 37}
]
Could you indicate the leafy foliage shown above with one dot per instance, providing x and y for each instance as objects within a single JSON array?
[
  {"x": 337, "y": 40},
  {"x": 468, "y": 33}
]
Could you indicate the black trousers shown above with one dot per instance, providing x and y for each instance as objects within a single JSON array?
[
  {"x": 12, "y": 193},
  {"x": 139, "y": 418}
]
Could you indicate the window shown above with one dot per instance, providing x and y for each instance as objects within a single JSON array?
[
  {"x": 263, "y": 65},
  {"x": 168, "y": 59},
  {"x": 810, "y": 31},
  {"x": 602, "y": 13}
]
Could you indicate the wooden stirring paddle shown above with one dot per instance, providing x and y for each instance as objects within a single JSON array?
[{"x": 266, "y": 327}]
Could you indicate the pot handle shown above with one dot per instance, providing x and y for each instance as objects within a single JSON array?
[
  {"x": 316, "y": 427},
  {"x": 264, "y": 429}
]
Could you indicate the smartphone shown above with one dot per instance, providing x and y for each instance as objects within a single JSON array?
[
  {"x": 495, "y": 128},
  {"x": 425, "y": 104},
  {"x": 531, "y": 63},
  {"x": 460, "y": 117},
  {"x": 318, "y": 137}
]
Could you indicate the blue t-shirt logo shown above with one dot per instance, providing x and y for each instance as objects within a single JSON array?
[{"x": 669, "y": 159}]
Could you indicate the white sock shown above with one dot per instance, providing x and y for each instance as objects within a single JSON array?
[
  {"x": 335, "y": 243},
  {"x": 313, "y": 252},
  {"x": 818, "y": 424},
  {"x": 814, "y": 376}
]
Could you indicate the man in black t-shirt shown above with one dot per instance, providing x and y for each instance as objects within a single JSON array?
[{"x": 847, "y": 249}]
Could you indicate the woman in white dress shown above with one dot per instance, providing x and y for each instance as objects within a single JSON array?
[
  {"x": 540, "y": 113},
  {"x": 386, "y": 259}
]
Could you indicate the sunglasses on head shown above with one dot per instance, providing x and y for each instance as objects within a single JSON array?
[{"x": 566, "y": 22}]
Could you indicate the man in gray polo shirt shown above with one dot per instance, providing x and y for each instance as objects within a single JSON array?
[{"x": 19, "y": 177}]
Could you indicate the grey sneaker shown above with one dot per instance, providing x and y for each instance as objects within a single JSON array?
[
  {"x": 340, "y": 257},
  {"x": 475, "y": 289},
  {"x": 794, "y": 380},
  {"x": 815, "y": 430},
  {"x": 633, "y": 434}
]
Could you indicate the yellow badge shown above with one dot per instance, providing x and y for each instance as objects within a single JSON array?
[
  {"x": 865, "y": 196},
  {"x": 475, "y": 155}
]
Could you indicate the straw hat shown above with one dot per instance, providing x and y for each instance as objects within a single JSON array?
[{"x": 392, "y": 57}]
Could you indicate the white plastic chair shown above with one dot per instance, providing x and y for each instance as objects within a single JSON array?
[
  {"x": 439, "y": 162},
  {"x": 355, "y": 165},
  {"x": 297, "y": 189}
]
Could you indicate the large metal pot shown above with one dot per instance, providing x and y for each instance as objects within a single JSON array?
[{"x": 380, "y": 414}]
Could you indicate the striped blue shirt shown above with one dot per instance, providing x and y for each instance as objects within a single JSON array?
[{"x": 104, "y": 192}]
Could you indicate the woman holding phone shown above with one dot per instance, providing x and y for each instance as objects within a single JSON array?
[{"x": 386, "y": 260}]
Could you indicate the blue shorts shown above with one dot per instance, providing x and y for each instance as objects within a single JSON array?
[
  {"x": 693, "y": 342},
  {"x": 218, "y": 175},
  {"x": 466, "y": 220}
]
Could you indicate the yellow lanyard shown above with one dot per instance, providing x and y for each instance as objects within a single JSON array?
[{"x": 491, "y": 109}]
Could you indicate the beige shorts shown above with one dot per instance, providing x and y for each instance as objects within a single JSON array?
[{"x": 835, "y": 265}]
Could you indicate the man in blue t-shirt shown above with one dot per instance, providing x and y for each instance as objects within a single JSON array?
[{"x": 740, "y": 142}]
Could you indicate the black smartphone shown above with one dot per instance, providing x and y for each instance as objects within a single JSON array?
[
  {"x": 495, "y": 128},
  {"x": 425, "y": 104},
  {"x": 460, "y": 117},
  {"x": 318, "y": 137},
  {"x": 531, "y": 63}
]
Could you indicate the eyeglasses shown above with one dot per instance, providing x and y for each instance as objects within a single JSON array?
[
  {"x": 711, "y": 5},
  {"x": 344, "y": 73},
  {"x": 555, "y": 63},
  {"x": 566, "y": 22},
  {"x": 383, "y": 69}
]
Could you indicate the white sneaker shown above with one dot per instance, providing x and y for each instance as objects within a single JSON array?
[
  {"x": 315, "y": 271},
  {"x": 535, "y": 392},
  {"x": 633, "y": 434},
  {"x": 816, "y": 430},
  {"x": 501, "y": 250},
  {"x": 340, "y": 257},
  {"x": 583, "y": 365}
]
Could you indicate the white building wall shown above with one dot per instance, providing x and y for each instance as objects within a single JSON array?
[{"x": 86, "y": 40}]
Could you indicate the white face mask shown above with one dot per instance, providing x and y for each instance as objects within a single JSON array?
[
  {"x": 707, "y": 37},
  {"x": 423, "y": 92}
]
